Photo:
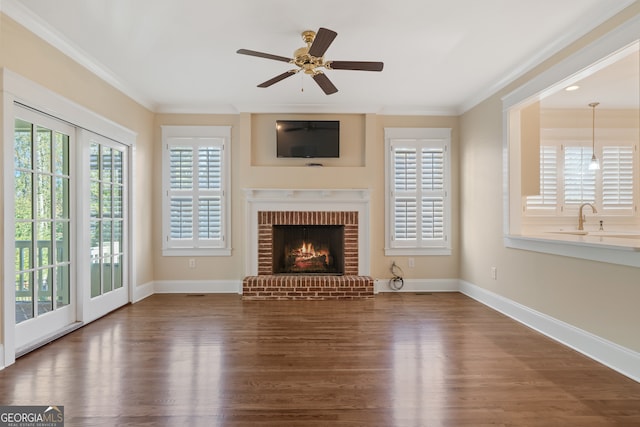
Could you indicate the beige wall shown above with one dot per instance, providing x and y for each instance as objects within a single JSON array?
[
  {"x": 255, "y": 165},
  {"x": 597, "y": 297},
  {"x": 530, "y": 149}
]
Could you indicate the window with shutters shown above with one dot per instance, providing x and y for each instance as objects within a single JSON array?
[
  {"x": 566, "y": 181},
  {"x": 195, "y": 190},
  {"x": 417, "y": 191},
  {"x": 546, "y": 203}
]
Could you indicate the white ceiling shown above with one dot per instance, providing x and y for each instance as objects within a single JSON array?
[
  {"x": 440, "y": 57},
  {"x": 614, "y": 82}
]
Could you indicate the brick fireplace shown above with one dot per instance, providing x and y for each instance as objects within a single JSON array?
[
  {"x": 267, "y": 220},
  {"x": 273, "y": 208}
]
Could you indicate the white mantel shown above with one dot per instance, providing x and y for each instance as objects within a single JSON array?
[{"x": 306, "y": 200}]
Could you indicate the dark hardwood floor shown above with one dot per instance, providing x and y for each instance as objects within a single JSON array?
[{"x": 395, "y": 360}]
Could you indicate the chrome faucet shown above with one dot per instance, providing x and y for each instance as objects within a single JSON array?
[{"x": 581, "y": 218}]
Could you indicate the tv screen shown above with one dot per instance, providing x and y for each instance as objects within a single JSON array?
[{"x": 308, "y": 138}]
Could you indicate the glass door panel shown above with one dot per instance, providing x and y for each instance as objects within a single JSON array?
[
  {"x": 42, "y": 158},
  {"x": 42, "y": 206},
  {"x": 107, "y": 219}
]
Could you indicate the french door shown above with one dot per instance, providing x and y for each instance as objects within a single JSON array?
[
  {"x": 71, "y": 223},
  {"x": 105, "y": 265},
  {"x": 45, "y": 286}
]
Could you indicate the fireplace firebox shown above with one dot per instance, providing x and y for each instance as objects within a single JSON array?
[{"x": 308, "y": 249}]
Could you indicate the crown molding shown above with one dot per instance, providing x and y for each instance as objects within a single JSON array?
[
  {"x": 578, "y": 30},
  {"x": 23, "y": 16}
]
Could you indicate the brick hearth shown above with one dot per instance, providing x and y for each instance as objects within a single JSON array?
[
  {"x": 285, "y": 287},
  {"x": 266, "y": 285}
]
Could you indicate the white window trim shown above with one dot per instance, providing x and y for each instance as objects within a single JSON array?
[
  {"x": 417, "y": 135},
  {"x": 170, "y": 133}
]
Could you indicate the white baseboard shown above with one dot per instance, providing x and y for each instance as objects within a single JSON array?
[
  {"x": 143, "y": 291},
  {"x": 198, "y": 286},
  {"x": 616, "y": 357},
  {"x": 419, "y": 285}
]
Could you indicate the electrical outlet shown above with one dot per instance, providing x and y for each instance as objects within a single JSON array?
[
  {"x": 192, "y": 263},
  {"x": 494, "y": 273},
  {"x": 412, "y": 262}
]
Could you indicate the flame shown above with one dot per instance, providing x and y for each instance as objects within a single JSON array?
[
  {"x": 307, "y": 248},
  {"x": 307, "y": 251},
  {"x": 307, "y": 258}
]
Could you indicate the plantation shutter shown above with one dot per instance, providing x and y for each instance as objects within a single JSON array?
[
  {"x": 195, "y": 192},
  {"x": 210, "y": 186},
  {"x": 433, "y": 193},
  {"x": 418, "y": 193},
  {"x": 405, "y": 187},
  {"x": 181, "y": 202},
  {"x": 617, "y": 178},
  {"x": 547, "y": 200},
  {"x": 579, "y": 181}
]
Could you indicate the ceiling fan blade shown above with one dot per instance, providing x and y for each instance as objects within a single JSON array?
[
  {"x": 263, "y": 55},
  {"x": 355, "y": 65},
  {"x": 278, "y": 78},
  {"x": 324, "y": 83},
  {"x": 324, "y": 38}
]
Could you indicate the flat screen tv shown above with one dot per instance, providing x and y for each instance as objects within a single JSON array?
[{"x": 308, "y": 138}]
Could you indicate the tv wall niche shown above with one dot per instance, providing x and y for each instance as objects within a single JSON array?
[{"x": 352, "y": 140}]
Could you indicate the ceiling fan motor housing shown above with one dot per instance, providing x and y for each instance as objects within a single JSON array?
[
  {"x": 308, "y": 63},
  {"x": 301, "y": 56}
]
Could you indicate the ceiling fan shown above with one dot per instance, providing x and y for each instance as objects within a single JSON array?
[{"x": 310, "y": 58}]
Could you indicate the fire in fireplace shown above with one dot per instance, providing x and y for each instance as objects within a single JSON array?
[{"x": 308, "y": 249}]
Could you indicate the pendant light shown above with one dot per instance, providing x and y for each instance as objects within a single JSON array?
[{"x": 594, "y": 164}]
